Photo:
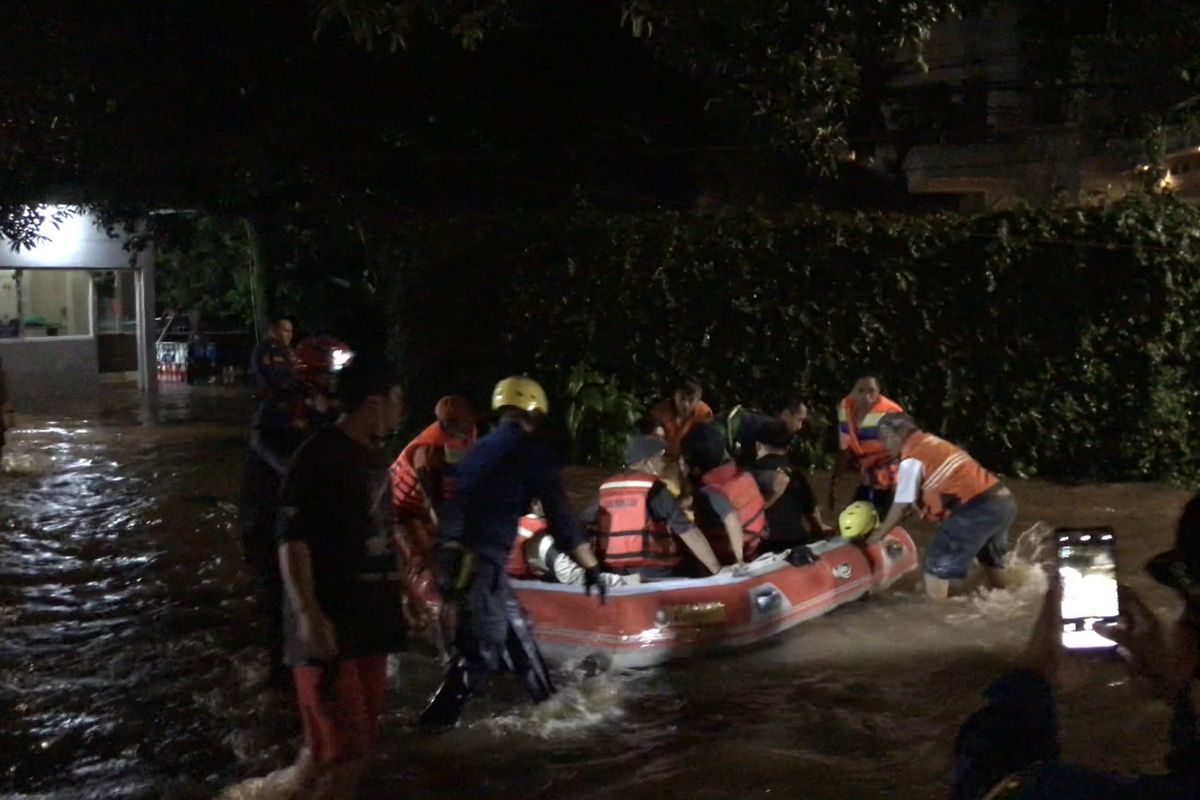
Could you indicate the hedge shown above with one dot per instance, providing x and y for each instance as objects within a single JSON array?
[{"x": 1059, "y": 342}]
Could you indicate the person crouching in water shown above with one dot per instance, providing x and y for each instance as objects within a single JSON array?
[
  {"x": 728, "y": 505},
  {"x": 496, "y": 483},
  {"x": 341, "y": 575},
  {"x": 791, "y": 508},
  {"x": 972, "y": 509},
  {"x": 636, "y": 523},
  {"x": 422, "y": 481}
]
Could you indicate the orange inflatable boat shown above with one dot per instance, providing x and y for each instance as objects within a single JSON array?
[{"x": 653, "y": 622}]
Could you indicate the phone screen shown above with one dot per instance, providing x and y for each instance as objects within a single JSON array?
[{"x": 1087, "y": 566}]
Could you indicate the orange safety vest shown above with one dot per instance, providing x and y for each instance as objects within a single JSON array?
[
  {"x": 674, "y": 428},
  {"x": 740, "y": 489},
  {"x": 951, "y": 477},
  {"x": 625, "y": 535},
  {"x": 528, "y": 527},
  {"x": 407, "y": 497},
  {"x": 876, "y": 464}
]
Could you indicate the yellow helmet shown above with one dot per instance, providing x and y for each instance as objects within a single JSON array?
[
  {"x": 857, "y": 520},
  {"x": 523, "y": 393}
]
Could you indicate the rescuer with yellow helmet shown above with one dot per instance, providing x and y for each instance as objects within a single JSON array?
[
  {"x": 496, "y": 482},
  {"x": 857, "y": 520}
]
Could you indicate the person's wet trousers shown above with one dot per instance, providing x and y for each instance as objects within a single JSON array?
[{"x": 493, "y": 636}]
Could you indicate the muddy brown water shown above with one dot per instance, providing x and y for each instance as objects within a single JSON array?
[{"x": 130, "y": 665}]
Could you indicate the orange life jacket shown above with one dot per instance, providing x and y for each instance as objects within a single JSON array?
[
  {"x": 876, "y": 464},
  {"x": 741, "y": 491},
  {"x": 675, "y": 428},
  {"x": 528, "y": 527},
  {"x": 625, "y": 535},
  {"x": 448, "y": 450},
  {"x": 951, "y": 477}
]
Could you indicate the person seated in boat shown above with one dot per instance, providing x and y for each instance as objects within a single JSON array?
[
  {"x": 637, "y": 525},
  {"x": 672, "y": 418},
  {"x": 744, "y": 427},
  {"x": 728, "y": 505},
  {"x": 790, "y": 506}
]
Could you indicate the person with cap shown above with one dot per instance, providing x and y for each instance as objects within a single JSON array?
[
  {"x": 497, "y": 481},
  {"x": 422, "y": 479},
  {"x": 791, "y": 508},
  {"x": 1009, "y": 750},
  {"x": 636, "y": 524},
  {"x": 744, "y": 427},
  {"x": 341, "y": 574},
  {"x": 972, "y": 508},
  {"x": 859, "y": 447},
  {"x": 729, "y": 507}
]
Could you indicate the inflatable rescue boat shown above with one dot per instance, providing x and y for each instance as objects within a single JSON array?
[{"x": 649, "y": 623}]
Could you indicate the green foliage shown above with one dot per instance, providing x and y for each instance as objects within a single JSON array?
[
  {"x": 600, "y": 417},
  {"x": 207, "y": 266},
  {"x": 1055, "y": 342}
]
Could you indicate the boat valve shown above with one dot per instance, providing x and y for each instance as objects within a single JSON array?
[{"x": 767, "y": 600}]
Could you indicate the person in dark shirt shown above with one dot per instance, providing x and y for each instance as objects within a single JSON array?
[
  {"x": 273, "y": 364},
  {"x": 280, "y": 424},
  {"x": 744, "y": 427},
  {"x": 1009, "y": 749},
  {"x": 791, "y": 508},
  {"x": 496, "y": 483},
  {"x": 341, "y": 573}
]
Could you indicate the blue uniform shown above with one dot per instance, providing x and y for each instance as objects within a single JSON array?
[{"x": 496, "y": 482}]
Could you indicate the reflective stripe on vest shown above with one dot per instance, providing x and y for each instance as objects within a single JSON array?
[
  {"x": 626, "y": 537},
  {"x": 406, "y": 489},
  {"x": 877, "y": 465},
  {"x": 951, "y": 477},
  {"x": 741, "y": 492}
]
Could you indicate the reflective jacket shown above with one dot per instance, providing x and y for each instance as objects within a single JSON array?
[
  {"x": 951, "y": 478},
  {"x": 876, "y": 464},
  {"x": 740, "y": 491},
  {"x": 446, "y": 452},
  {"x": 625, "y": 535}
]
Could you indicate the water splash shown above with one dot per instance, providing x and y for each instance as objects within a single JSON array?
[{"x": 586, "y": 698}]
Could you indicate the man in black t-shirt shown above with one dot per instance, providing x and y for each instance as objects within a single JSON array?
[
  {"x": 342, "y": 614},
  {"x": 791, "y": 508}
]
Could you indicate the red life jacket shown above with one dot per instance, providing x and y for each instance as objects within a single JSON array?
[
  {"x": 877, "y": 465},
  {"x": 626, "y": 537},
  {"x": 528, "y": 527},
  {"x": 741, "y": 491},
  {"x": 407, "y": 497}
]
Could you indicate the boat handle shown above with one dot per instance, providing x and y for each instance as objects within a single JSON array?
[{"x": 767, "y": 599}]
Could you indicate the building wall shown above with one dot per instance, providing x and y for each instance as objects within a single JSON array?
[{"x": 30, "y": 384}]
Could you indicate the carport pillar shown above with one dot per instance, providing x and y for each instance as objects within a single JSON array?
[{"x": 147, "y": 349}]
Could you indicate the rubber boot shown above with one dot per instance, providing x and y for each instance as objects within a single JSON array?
[{"x": 448, "y": 701}]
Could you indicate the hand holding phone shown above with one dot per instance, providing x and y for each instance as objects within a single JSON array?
[{"x": 1087, "y": 567}]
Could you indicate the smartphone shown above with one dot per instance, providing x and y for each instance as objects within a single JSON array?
[{"x": 1087, "y": 566}]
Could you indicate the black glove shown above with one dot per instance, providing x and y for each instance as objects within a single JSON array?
[
  {"x": 451, "y": 561},
  {"x": 591, "y": 577}
]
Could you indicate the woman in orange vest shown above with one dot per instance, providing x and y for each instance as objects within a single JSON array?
[
  {"x": 730, "y": 509},
  {"x": 972, "y": 509},
  {"x": 860, "y": 447},
  {"x": 422, "y": 479}
]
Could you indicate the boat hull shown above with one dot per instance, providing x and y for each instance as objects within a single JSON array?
[{"x": 654, "y": 622}]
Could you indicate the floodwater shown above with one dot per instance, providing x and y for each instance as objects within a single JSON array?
[{"x": 129, "y": 664}]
